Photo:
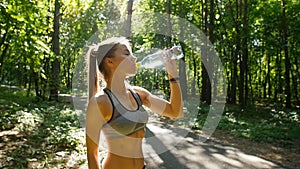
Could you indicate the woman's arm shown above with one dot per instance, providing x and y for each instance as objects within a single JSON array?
[
  {"x": 92, "y": 153},
  {"x": 94, "y": 122},
  {"x": 172, "y": 108}
]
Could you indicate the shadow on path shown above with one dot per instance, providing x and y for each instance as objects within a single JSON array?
[{"x": 163, "y": 151}]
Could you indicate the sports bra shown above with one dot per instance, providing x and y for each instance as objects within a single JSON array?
[{"x": 124, "y": 122}]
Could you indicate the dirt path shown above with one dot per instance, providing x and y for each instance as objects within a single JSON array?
[
  {"x": 222, "y": 151},
  {"x": 287, "y": 156}
]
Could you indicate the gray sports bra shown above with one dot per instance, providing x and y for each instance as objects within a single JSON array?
[{"x": 124, "y": 122}]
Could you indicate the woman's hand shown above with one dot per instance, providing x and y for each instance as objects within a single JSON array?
[{"x": 171, "y": 66}]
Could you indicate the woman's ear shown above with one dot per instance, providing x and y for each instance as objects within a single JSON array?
[{"x": 109, "y": 62}]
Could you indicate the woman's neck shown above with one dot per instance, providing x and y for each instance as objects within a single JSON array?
[{"x": 117, "y": 85}]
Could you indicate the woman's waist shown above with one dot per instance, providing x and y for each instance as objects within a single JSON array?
[
  {"x": 130, "y": 148},
  {"x": 116, "y": 161}
]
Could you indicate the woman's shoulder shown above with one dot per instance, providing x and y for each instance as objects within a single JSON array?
[
  {"x": 103, "y": 103},
  {"x": 101, "y": 97},
  {"x": 99, "y": 108},
  {"x": 102, "y": 100}
]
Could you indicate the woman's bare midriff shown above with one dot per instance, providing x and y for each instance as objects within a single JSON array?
[{"x": 125, "y": 152}]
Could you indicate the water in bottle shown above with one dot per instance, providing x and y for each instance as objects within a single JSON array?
[{"x": 158, "y": 59}]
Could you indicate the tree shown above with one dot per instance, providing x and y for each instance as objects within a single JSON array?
[
  {"x": 128, "y": 21},
  {"x": 182, "y": 64},
  {"x": 243, "y": 86},
  {"x": 256, "y": 40},
  {"x": 286, "y": 55},
  {"x": 55, "y": 80},
  {"x": 207, "y": 67}
]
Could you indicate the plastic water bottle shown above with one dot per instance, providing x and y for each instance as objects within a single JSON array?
[{"x": 158, "y": 59}]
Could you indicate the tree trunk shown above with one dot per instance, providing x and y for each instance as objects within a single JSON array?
[
  {"x": 278, "y": 89},
  {"x": 268, "y": 78},
  {"x": 44, "y": 82},
  {"x": 3, "y": 38},
  {"x": 168, "y": 37},
  {"x": 295, "y": 83},
  {"x": 3, "y": 55},
  {"x": 193, "y": 87},
  {"x": 206, "y": 86},
  {"x": 129, "y": 16},
  {"x": 286, "y": 54},
  {"x": 69, "y": 75},
  {"x": 242, "y": 62},
  {"x": 235, "y": 56},
  {"x": 55, "y": 81},
  {"x": 296, "y": 75},
  {"x": 245, "y": 49},
  {"x": 213, "y": 68},
  {"x": 36, "y": 84},
  {"x": 234, "y": 76},
  {"x": 29, "y": 84},
  {"x": 182, "y": 65}
]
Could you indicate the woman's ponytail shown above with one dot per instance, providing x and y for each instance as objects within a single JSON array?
[{"x": 93, "y": 84}]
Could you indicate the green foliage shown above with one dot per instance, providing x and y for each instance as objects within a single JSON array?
[
  {"x": 256, "y": 123},
  {"x": 262, "y": 124},
  {"x": 202, "y": 111},
  {"x": 46, "y": 130},
  {"x": 26, "y": 44},
  {"x": 27, "y": 28}
]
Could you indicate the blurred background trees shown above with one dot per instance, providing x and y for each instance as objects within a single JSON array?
[{"x": 257, "y": 41}]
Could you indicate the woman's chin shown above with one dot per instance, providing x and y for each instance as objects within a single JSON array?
[{"x": 131, "y": 74}]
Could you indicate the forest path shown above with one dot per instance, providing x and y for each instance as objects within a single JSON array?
[{"x": 169, "y": 150}]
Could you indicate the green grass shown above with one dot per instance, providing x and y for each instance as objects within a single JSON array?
[
  {"x": 262, "y": 124},
  {"x": 46, "y": 133}
]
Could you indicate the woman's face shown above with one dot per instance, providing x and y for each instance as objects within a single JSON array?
[{"x": 124, "y": 61}]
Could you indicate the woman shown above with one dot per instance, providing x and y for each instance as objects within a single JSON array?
[{"x": 117, "y": 110}]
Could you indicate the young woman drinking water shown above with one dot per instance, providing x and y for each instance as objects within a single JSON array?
[{"x": 117, "y": 109}]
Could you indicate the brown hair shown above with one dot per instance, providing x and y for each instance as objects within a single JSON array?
[
  {"x": 101, "y": 66},
  {"x": 96, "y": 55}
]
